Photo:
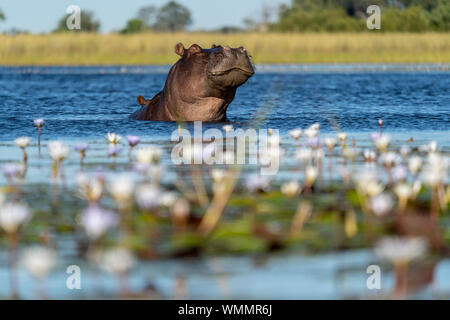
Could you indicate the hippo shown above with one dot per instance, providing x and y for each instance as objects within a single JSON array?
[{"x": 200, "y": 85}]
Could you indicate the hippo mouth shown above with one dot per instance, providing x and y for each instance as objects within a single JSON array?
[{"x": 248, "y": 73}]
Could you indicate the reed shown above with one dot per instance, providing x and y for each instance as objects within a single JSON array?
[{"x": 157, "y": 48}]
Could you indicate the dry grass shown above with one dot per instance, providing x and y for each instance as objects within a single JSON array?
[{"x": 151, "y": 48}]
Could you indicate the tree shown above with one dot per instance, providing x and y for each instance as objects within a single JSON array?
[
  {"x": 133, "y": 26},
  {"x": 147, "y": 15},
  {"x": 88, "y": 23},
  {"x": 173, "y": 17},
  {"x": 2, "y": 15}
]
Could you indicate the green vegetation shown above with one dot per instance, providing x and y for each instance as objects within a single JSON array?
[
  {"x": 88, "y": 23},
  {"x": 170, "y": 17},
  {"x": 2, "y": 15},
  {"x": 350, "y": 15}
]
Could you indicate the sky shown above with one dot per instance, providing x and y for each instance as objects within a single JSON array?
[{"x": 39, "y": 16}]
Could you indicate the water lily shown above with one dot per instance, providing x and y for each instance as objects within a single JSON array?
[
  {"x": 404, "y": 151},
  {"x": 400, "y": 250},
  {"x": 39, "y": 124},
  {"x": 296, "y": 133},
  {"x": 330, "y": 143},
  {"x": 133, "y": 140},
  {"x": 58, "y": 150},
  {"x": 290, "y": 188},
  {"x": 381, "y": 204},
  {"x": 382, "y": 142},
  {"x": 227, "y": 128},
  {"x": 96, "y": 221},
  {"x": 403, "y": 191},
  {"x": 148, "y": 197},
  {"x": 39, "y": 261},
  {"x": 414, "y": 164},
  {"x": 113, "y": 138},
  {"x": 90, "y": 188},
  {"x": 11, "y": 170},
  {"x": 22, "y": 142},
  {"x": 114, "y": 151},
  {"x": 399, "y": 173},
  {"x": 117, "y": 261},
  {"x": 311, "y": 174},
  {"x": 180, "y": 212},
  {"x": 13, "y": 216},
  {"x": 121, "y": 188},
  {"x": 380, "y": 124},
  {"x": 256, "y": 182},
  {"x": 148, "y": 155},
  {"x": 369, "y": 155}
]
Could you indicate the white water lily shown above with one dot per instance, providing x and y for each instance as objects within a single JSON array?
[
  {"x": 22, "y": 142},
  {"x": 13, "y": 215},
  {"x": 401, "y": 250},
  {"x": 382, "y": 142},
  {"x": 403, "y": 191},
  {"x": 148, "y": 197},
  {"x": 381, "y": 204},
  {"x": 404, "y": 151},
  {"x": 39, "y": 261},
  {"x": 311, "y": 132},
  {"x": 113, "y": 138},
  {"x": 290, "y": 188},
  {"x": 90, "y": 188},
  {"x": 167, "y": 199},
  {"x": 390, "y": 159},
  {"x": 121, "y": 188},
  {"x": 180, "y": 208},
  {"x": 58, "y": 150},
  {"x": 330, "y": 142},
  {"x": 227, "y": 128},
  {"x": 311, "y": 175},
  {"x": 147, "y": 155},
  {"x": 342, "y": 136},
  {"x": 117, "y": 261},
  {"x": 367, "y": 184},
  {"x": 414, "y": 164},
  {"x": 435, "y": 172},
  {"x": 296, "y": 133},
  {"x": 218, "y": 175},
  {"x": 369, "y": 155}
]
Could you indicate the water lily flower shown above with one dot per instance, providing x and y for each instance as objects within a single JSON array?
[
  {"x": 399, "y": 173},
  {"x": 38, "y": 122},
  {"x": 381, "y": 204},
  {"x": 58, "y": 150},
  {"x": 96, "y": 221},
  {"x": 342, "y": 136},
  {"x": 369, "y": 155},
  {"x": 390, "y": 159},
  {"x": 117, "y": 261},
  {"x": 296, "y": 133},
  {"x": 227, "y": 128},
  {"x": 22, "y": 142},
  {"x": 13, "y": 216},
  {"x": 435, "y": 172},
  {"x": 180, "y": 210},
  {"x": 290, "y": 188},
  {"x": 90, "y": 188},
  {"x": 314, "y": 143},
  {"x": 401, "y": 250},
  {"x": 11, "y": 170},
  {"x": 256, "y": 182},
  {"x": 414, "y": 164},
  {"x": 311, "y": 175},
  {"x": 367, "y": 184},
  {"x": 113, "y": 138},
  {"x": 311, "y": 132},
  {"x": 403, "y": 191},
  {"x": 121, "y": 188},
  {"x": 39, "y": 261},
  {"x": 380, "y": 123},
  {"x": 133, "y": 140},
  {"x": 148, "y": 155},
  {"x": 218, "y": 175},
  {"x": 303, "y": 154},
  {"x": 114, "y": 151},
  {"x": 148, "y": 197},
  {"x": 330, "y": 143},
  {"x": 167, "y": 199},
  {"x": 382, "y": 142},
  {"x": 404, "y": 151},
  {"x": 81, "y": 147}
]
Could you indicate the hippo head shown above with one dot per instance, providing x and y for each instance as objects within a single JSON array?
[{"x": 224, "y": 67}]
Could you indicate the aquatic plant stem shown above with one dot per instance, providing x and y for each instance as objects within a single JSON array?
[
  {"x": 39, "y": 140},
  {"x": 13, "y": 241}
]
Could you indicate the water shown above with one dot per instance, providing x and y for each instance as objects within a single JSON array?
[{"x": 83, "y": 103}]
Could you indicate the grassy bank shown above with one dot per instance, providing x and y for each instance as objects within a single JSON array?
[{"x": 94, "y": 49}]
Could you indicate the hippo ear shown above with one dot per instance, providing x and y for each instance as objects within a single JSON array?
[
  {"x": 194, "y": 49},
  {"x": 179, "y": 49}
]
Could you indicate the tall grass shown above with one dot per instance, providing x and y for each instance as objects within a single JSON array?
[{"x": 157, "y": 48}]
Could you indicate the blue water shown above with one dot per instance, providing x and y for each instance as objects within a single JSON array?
[
  {"x": 83, "y": 103},
  {"x": 87, "y": 102}
]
